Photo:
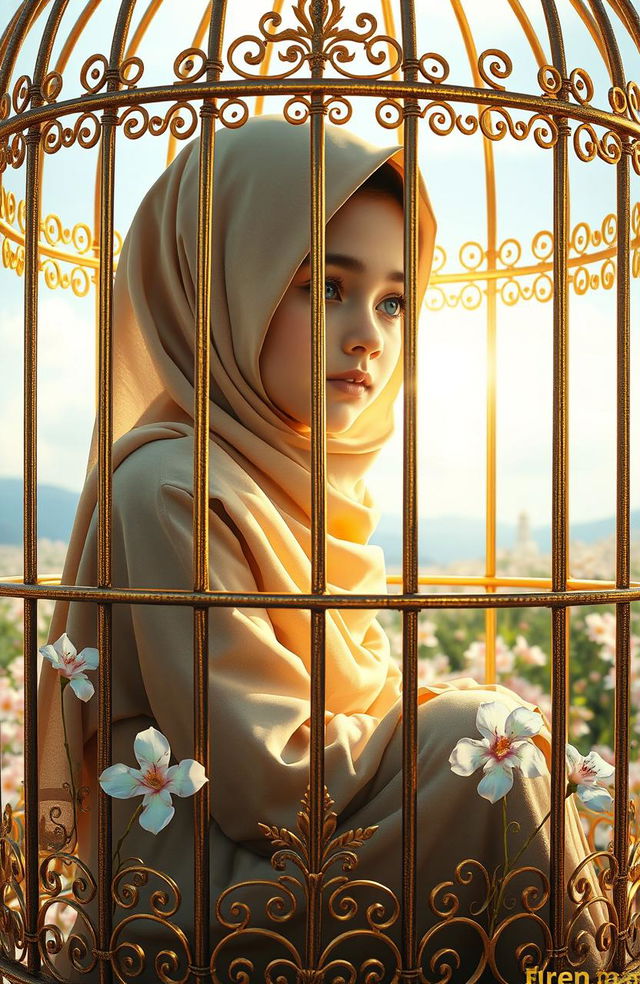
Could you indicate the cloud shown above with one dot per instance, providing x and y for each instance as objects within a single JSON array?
[{"x": 65, "y": 389}]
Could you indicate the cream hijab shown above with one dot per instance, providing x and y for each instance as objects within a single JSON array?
[{"x": 261, "y": 219}]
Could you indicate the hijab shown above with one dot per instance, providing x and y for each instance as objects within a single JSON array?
[{"x": 260, "y": 466}]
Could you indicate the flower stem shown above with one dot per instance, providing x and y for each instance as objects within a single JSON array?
[
  {"x": 136, "y": 813},
  {"x": 68, "y": 751},
  {"x": 505, "y": 827},
  {"x": 509, "y": 865}
]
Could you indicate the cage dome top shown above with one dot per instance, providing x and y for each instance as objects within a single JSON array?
[{"x": 298, "y": 48}]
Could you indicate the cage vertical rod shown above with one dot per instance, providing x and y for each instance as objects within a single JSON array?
[
  {"x": 109, "y": 121},
  {"x": 30, "y": 464},
  {"x": 313, "y": 930},
  {"x": 31, "y": 257},
  {"x": 628, "y": 13},
  {"x": 623, "y": 515},
  {"x": 491, "y": 614},
  {"x": 560, "y": 503},
  {"x": 411, "y": 112},
  {"x": 12, "y": 42},
  {"x": 33, "y": 192},
  {"x": 623, "y": 559},
  {"x": 623, "y": 609},
  {"x": 201, "y": 559},
  {"x": 14, "y": 38}
]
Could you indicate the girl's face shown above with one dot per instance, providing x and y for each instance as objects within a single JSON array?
[{"x": 364, "y": 315}]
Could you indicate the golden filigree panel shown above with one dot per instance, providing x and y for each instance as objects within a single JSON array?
[{"x": 474, "y": 902}]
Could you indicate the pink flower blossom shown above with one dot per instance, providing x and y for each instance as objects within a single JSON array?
[
  {"x": 433, "y": 669},
  {"x": 584, "y": 772},
  {"x": 12, "y": 777},
  {"x": 70, "y": 664},
  {"x": 426, "y": 634},
  {"x": 475, "y": 657},
  {"x": 529, "y": 655}
]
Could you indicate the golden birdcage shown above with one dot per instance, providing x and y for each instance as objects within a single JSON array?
[{"x": 317, "y": 41}]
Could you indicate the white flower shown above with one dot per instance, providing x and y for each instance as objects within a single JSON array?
[
  {"x": 71, "y": 664},
  {"x": 156, "y": 780},
  {"x": 602, "y": 628},
  {"x": 583, "y": 774},
  {"x": 506, "y": 745}
]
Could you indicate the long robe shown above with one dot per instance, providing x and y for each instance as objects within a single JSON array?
[{"x": 259, "y": 710}]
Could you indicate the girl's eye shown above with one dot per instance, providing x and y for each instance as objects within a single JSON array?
[
  {"x": 398, "y": 300},
  {"x": 335, "y": 284},
  {"x": 331, "y": 284}
]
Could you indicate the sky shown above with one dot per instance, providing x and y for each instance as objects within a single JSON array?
[{"x": 451, "y": 343}]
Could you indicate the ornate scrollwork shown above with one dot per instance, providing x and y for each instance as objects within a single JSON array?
[
  {"x": 12, "y": 902},
  {"x": 73, "y": 895},
  {"x": 128, "y": 958},
  {"x": 21, "y": 94},
  {"x": 446, "y": 904},
  {"x": 389, "y": 113},
  {"x": 294, "y": 849},
  {"x": 233, "y": 113},
  {"x": 545, "y": 134},
  {"x": 5, "y": 106},
  {"x": 189, "y": 66},
  {"x": 297, "y": 110},
  {"x": 85, "y": 131},
  {"x": 434, "y": 67},
  {"x": 633, "y": 100},
  {"x": 130, "y": 71},
  {"x": 581, "y": 893},
  {"x": 495, "y": 122},
  {"x": 136, "y": 121},
  {"x": 83, "y": 887},
  {"x": 51, "y": 87},
  {"x": 78, "y": 947},
  {"x": 333, "y": 43},
  {"x": 13, "y": 151},
  {"x": 588, "y": 145},
  {"x": 483, "y": 920},
  {"x": 93, "y": 74},
  {"x": 165, "y": 902},
  {"x": 581, "y": 86},
  {"x": 518, "y": 282},
  {"x": 549, "y": 80},
  {"x": 338, "y": 109},
  {"x": 500, "y": 68},
  {"x": 75, "y": 243},
  {"x": 618, "y": 100}
]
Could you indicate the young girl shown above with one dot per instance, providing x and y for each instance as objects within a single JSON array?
[{"x": 260, "y": 540}]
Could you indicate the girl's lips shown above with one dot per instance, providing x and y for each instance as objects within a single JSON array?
[{"x": 354, "y": 389}]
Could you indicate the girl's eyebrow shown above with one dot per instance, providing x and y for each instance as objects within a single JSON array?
[{"x": 351, "y": 263}]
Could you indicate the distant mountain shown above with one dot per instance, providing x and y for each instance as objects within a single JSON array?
[
  {"x": 446, "y": 539},
  {"x": 441, "y": 540},
  {"x": 56, "y": 510}
]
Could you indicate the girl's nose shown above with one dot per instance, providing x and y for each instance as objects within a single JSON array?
[{"x": 365, "y": 335}]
